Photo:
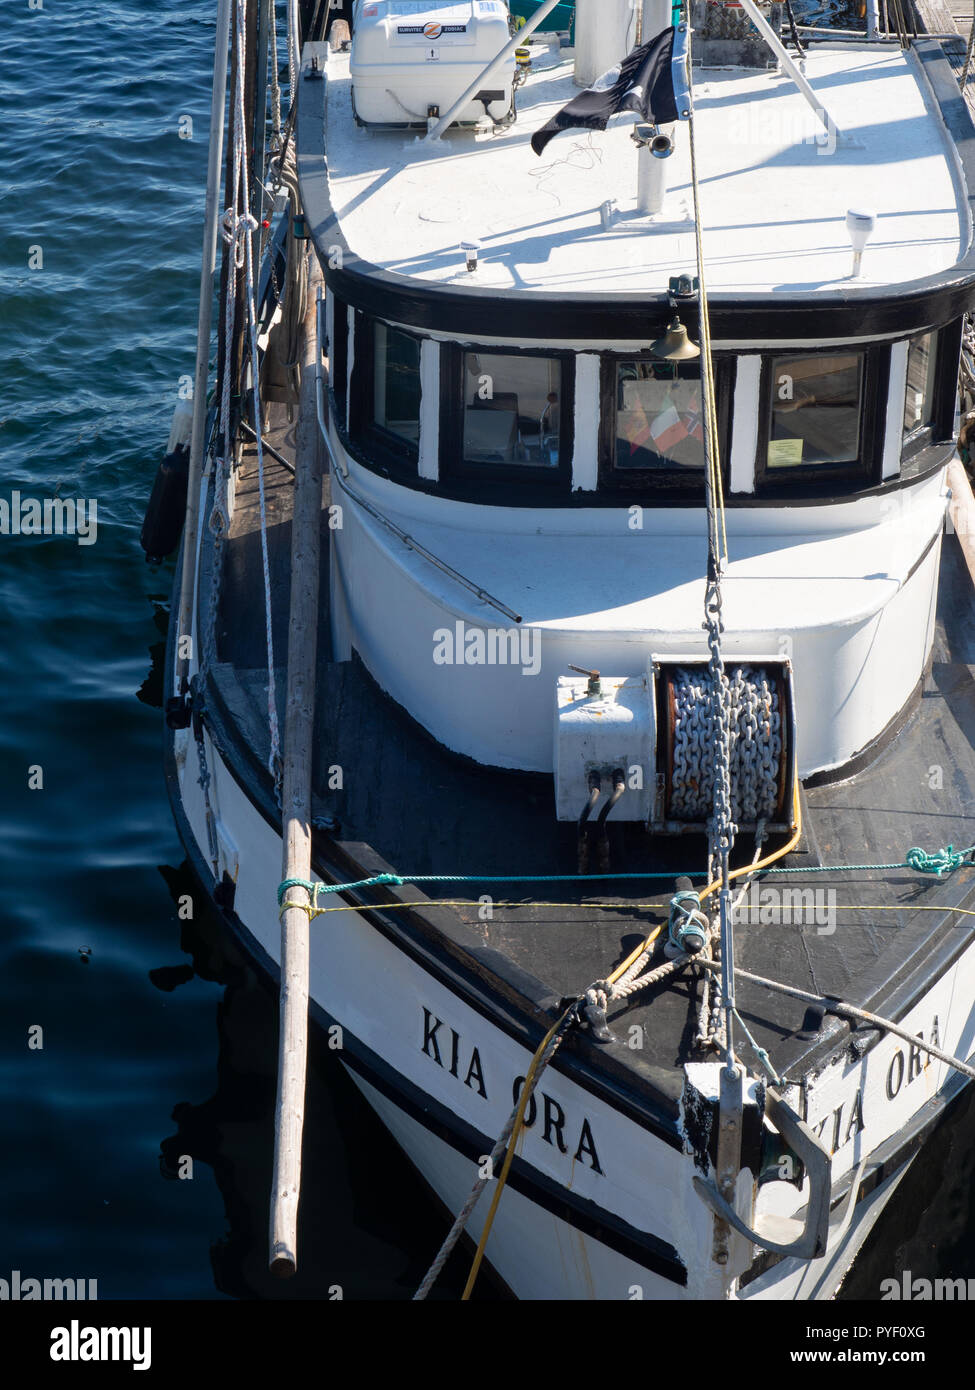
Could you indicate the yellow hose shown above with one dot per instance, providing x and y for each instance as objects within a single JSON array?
[{"x": 509, "y": 1155}]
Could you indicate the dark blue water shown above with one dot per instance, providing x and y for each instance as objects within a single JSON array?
[
  {"x": 158, "y": 1042},
  {"x": 154, "y": 1045}
]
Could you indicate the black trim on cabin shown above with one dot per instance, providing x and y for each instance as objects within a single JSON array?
[
  {"x": 854, "y": 312},
  {"x": 839, "y": 479},
  {"x": 530, "y": 493},
  {"x": 471, "y": 477},
  {"x": 623, "y": 486},
  {"x": 582, "y": 1214},
  {"x": 391, "y": 457}
]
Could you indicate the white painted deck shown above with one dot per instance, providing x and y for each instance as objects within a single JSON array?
[{"x": 774, "y": 197}]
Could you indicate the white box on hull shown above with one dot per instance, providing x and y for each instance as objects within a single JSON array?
[
  {"x": 601, "y": 733},
  {"x": 413, "y": 56}
]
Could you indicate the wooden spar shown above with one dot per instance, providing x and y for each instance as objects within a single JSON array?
[
  {"x": 296, "y": 806},
  {"x": 191, "y": 525}
]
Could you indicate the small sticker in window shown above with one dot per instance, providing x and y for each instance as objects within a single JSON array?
[{"x": 784, "y": 453}]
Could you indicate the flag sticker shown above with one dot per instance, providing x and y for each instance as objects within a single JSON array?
[{"x": 670, "y": 428}]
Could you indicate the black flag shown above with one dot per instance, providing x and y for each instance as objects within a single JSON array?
[{"x": 641, "y": 83}]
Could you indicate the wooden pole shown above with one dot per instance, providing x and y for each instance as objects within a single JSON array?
[{"x": 296, "y": 807}]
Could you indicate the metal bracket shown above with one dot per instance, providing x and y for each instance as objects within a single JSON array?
[
  {"x": 179, "y": 712},
  {"x": 731, "y": 1109},
  {"x": 806, "y": 1240},
  {"x": 595, "y": 1016}
]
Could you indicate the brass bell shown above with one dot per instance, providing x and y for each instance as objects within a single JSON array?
[{"x": 675, "y": 346}]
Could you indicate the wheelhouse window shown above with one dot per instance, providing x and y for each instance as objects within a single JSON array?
[
  {"x": 920, "y": 400},
  {"x": 506, "y": 418},
  {"x": 930, "y": 398},
  {"x": 658, "y": 416},
  {"x": 651, "y": 428},
  {"x": 396, "y": 384},
  {"x": 512, "y": 413},
  {"x": 815, "y": 409}
]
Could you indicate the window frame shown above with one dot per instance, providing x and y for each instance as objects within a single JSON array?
[
  {"x": 454, "y": 468},
  {"x": 338, "y": 365},
  {"x": 387, "y": 452},
  {"x": 867, "y": 469},
  {"x": 940, "y": 428},
  {"x": 672, "y": 482}
]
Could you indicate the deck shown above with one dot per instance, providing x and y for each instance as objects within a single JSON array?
[{"x": 951, "y": 17}]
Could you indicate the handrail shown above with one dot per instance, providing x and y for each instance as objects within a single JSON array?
[{"x": 342, "y": 474}]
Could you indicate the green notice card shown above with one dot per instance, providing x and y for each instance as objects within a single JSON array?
[{"x": 784, "y": 453}]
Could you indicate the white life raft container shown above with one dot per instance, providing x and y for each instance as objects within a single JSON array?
[{"x": 412, "y": 59}]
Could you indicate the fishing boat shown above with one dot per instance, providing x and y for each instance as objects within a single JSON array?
[{"x": 569, "y": 687}]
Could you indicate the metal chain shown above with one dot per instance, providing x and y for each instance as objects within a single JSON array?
[{"x": 754, "y": 743}]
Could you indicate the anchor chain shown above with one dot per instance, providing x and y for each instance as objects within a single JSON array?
[{"x": 752, "y": 712}]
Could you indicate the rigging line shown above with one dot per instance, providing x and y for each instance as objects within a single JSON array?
[
  {"x": 851, "y": 1012},
  {"x": 546, "y": 1051},
  {"x": 294, "y": 40},
  {"x": 430, "y": 903},
  {"x": 246, "y": 224},
  {"x": 275, "y": 82},
  {"x": 721, "y": 827},
  {"x": 713, "y": 461}
]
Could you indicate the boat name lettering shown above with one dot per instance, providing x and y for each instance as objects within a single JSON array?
[
  {"x": 905, "y": 1070},
  {"x": 445, "y": 1046},
  {"x": 473, "y": 1072},
  {"x": 839, "y": 1126},
  {"x": 554, "y": 1122}
]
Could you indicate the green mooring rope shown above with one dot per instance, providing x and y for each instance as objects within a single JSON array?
[{"x": 940, "y": 862}]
